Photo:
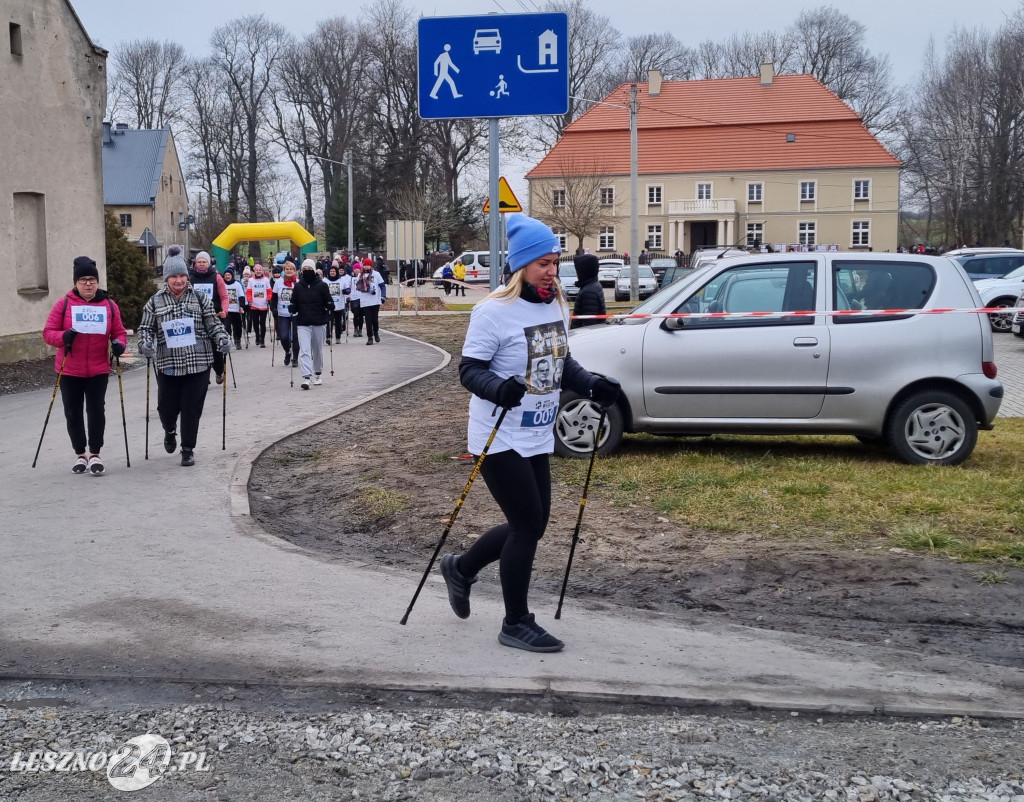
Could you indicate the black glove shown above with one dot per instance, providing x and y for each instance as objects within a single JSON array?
[
  {"x": 116, "y": 348},
  {"x": 69, "y": 338},
  {"x": 511, "y": 392},
  {"x": 605, "y": 391}
]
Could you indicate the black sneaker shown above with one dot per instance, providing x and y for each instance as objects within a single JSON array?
[
  {"x": 188, "y": 459},
  {"x": 170, "y": 442},
  {"x": 528, "y": 635},
  {"x": 458, "y": 585},
  {"x": 376, "y": 338},
  {"x": 288, "y": 358}
]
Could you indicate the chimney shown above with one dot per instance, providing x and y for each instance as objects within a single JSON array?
[
  {"x": 653, "y": 83},
  {"x": 106, "y": 133},
  {"x": 767, "y": 73}
]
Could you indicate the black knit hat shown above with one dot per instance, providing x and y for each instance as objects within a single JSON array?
[{"x": 85, "y": 267}]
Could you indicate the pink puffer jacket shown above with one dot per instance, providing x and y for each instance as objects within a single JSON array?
[{"x": 90, "y": 354}]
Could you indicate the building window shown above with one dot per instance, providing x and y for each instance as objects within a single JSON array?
[
  {"x": 806, "y": 233},
  {"x": 654, "y": 195},
  {"x": 126, "y": 221},
  {"x": 15, "y": 30},
  {"x": 181, "y": 218},
  {"x": 755, "y": 193},
  {"x": 607, "y": 196},
  {"x": 861, "y": 234},
  {"x": 563, "y": 238},
  {"x": 654, "y": 241},
  {"x": 558, "y": 198},
  {"x": 703, "y": 191},
  {"x": 170, "y": 184},
  {"x": 27, "y": 239},
  {"x": 606, "y": 238},
  {"x": 807, "y": 190},
  {"x": 862, "y": 190},
  {"x": 755, "y": 234}
]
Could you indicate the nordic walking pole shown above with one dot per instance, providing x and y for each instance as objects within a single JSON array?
[
  {"x": 50, "y": 409},
  {"x": 330, "y": 346},
  {"x": 232, "y": 366},
  {"x": 224, "y": 417},
  {"x": 458, "y": 506},
  {"x": 147, "y": 407},
  {"x": 273, "y": 325},
  {"x": 246, "y": 324},
  {"x": 579, "y": 516},
  {"x": 124, "y": 419}
]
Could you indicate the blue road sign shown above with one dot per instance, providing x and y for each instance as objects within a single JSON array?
[{"x": 498, "y": 65}]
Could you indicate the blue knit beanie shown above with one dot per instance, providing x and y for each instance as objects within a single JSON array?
[{"x": 528, "y": 240}]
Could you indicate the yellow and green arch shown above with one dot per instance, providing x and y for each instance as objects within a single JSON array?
[{"x": 246, "y": 232}]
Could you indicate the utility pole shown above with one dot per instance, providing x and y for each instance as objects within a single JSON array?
[{"x": 634, "y": 221}]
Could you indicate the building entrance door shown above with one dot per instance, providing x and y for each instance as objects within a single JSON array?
[{"x": 703, "y": 234}]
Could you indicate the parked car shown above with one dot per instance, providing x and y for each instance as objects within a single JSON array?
[
  {"x": 1017, "y": 324},
  {"x": 673, "y": 274},
  {"x": 282, "y": 257},
  {"x": 880, "y": 378},
  {"x": 660, "y": 265},
  {"x": 703, "y": 256},
  {"x": 1001, "y": 292},
  {"x": 991, "y": 265},
  {"x": 608, "y": 271},
  {"x": 567, "y": 278},
  {"x": 648, "y": 284},
  {"x": 478, "y": 268}
]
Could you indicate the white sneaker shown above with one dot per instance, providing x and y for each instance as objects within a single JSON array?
[
  {"x": 317, "y": 380},
  {"x": 305, "y": 383}
]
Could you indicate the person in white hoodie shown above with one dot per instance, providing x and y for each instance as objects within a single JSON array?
[{"x": 372, "y": 292}]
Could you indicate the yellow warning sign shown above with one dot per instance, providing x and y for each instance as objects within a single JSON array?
[{"x": 507, "y": 201}]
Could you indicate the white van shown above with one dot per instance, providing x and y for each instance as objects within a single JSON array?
[{"x": 478, "y": 268}]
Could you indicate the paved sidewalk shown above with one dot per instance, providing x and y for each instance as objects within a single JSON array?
[{"x": 157, "y": 571}]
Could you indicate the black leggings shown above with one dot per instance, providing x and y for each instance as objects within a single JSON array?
[
  {"x": 258, "y": 324},
  {"x": 370, "y": 315},
  {"x": 76, "y": 391},
  {"x": 357, "y": 316},
  {"x": 522, "y": 488},
  {"x": 338, "y": 319},
  {"x": 184, "y": 396},
  {"x": 233, "y": 323}
]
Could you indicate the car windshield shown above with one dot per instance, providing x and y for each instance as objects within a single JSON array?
[
  {"x": 567, "y": 270},
  {"x": 643, "y": 272},
  {"x": 1018, "y": 273}
]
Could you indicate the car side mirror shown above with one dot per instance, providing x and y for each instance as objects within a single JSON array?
[{"x": 673, "y": 323}]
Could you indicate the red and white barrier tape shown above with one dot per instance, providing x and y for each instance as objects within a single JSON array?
[{"x": 998, "y": 310}]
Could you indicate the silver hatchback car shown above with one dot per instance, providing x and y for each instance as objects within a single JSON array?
[{"x": 922, "y": 385}]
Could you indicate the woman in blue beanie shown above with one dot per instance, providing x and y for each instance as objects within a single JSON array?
[{"x": 519, "y": 330}]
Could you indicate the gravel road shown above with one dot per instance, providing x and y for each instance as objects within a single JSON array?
[{"x": 323, "y": 744}]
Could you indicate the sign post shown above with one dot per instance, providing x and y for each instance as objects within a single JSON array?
[
  {"x": 405, "y": 242},
  {"x": 493, "y": 66}
]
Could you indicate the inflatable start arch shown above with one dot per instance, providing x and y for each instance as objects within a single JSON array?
[{"x": 245, "y": 232}]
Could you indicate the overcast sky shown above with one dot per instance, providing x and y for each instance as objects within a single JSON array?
[{"x": 897, "y": 28}]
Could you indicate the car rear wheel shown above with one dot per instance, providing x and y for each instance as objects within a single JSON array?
[
  {"x": 932, "y": 428},
  {"x": 576, "y": 427},
  {"x": 1001, "y": 323}
]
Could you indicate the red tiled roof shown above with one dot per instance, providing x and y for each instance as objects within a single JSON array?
[{"x": 728, "y": 124}]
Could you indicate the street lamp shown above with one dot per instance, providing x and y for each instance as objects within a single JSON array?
[{"x": 347, "y": 163}]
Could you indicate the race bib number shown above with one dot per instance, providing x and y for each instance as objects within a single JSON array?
[
  {"x": 89, "y": 319},
  {"x": 206, "y": 289},
  {"x": 179, "y": 333},
  {"x": 541, "y": 417}
]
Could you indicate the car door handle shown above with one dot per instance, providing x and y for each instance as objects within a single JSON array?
[{"x": 805, "y": 342}]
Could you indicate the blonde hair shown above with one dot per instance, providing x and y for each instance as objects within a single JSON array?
[{"x": 514, "y": 288}]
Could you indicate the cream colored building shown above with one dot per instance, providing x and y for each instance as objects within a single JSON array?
[
  {"x": 776, "y": 160},
  {"x": 144, "y": 188},
  {"x": 53, "y": 95}
]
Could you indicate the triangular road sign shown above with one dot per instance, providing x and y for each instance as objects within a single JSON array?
[{"x": 507, "y": 201}]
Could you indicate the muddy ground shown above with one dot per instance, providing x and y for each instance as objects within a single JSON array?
[{"x": 386, "y": 477}]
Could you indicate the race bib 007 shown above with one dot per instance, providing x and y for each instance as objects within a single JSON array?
[{"x": 180, "y": 332}]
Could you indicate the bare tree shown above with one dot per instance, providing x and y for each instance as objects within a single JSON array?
[
  {"x": 148, "y": 81},
  {"x": 246, "y": 51},
  {"x": 743, "y": 54},
  {"x": 573, "y": 202},
  {"x": 593, "y": 43},
  {"x": 654, "y": 51}
]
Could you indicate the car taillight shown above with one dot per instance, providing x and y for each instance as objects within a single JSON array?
[{"x": 989, "y": 369}]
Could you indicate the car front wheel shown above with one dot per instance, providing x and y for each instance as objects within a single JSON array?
[
  {"x": 576, "y": 427},
  {"x": 932, "y": 428}
]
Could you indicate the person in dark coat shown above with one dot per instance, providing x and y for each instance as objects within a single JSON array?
[
  {"x": 311, "y": 304},
  {"x": 590, "y": 300}
]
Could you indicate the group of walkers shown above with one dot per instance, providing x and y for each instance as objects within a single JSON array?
[{"x": 516, "y": 358}]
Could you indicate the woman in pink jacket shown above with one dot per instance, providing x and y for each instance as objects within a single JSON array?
[{"x": 81, "y": 326}]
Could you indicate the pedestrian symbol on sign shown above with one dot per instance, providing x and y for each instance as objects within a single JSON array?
[{"x": 442, "y": 64}]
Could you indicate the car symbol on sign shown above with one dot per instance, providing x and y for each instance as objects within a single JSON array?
[{"x": 486, "y": 39}]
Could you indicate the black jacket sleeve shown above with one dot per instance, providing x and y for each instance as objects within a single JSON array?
[
  {"x": 577, "y": 378},
  {"x": 477, "y": 377}
]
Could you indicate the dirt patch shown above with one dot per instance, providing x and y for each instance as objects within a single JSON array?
[{"x": 389, "y": 507}]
